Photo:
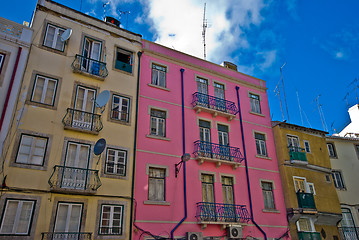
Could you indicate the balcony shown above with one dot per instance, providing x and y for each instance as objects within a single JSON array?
[
  {"x": 123, "y": 66},
  {"x": 215, "y": 106},
  {"x": 297, "y": 155},
  {"x": 309, "y": 236},
  {"x": 66, "y": 235},
  {"x": 306, "y": 200},
  {"x": 220, "y": 213},
  {"x": 220, "y": 154},
  {"x": 74, "y": 179},
  {"x": 348, "y": 233},
  {"x": 82, "y": 121},
  {"x": 89, "y": 66}
]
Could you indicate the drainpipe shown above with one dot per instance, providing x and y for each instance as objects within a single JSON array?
[
  {"x": 135, "y": 143},
  {"x": 10, "y": 88},
  {"x": 184, "y": 162},
  {"x": 245, "y": 160}
]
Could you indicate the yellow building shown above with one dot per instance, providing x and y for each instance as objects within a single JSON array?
[
  {"x": 313, "y": 208},
  {"x": 54, "y": 185}
]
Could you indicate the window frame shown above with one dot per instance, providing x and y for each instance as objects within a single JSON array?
[
  {"x": 311, "y": 224},
  {"x": 255, "y": 103},
  {"x": 82, "y": 213},
  {"x": 225, "y": 186},
  {"x": 57, "y": 28},
  {"x": 124, "y": 52},
  {"x": 260, "y": 143},
  {"x": 125, "y": 162},
  {"x": 164, "y": 183},
  {"x": 332, "y": 146},
  {"x": 44, "y": 91},
  {"x": 32, "y": 149},
  {"x": 101, "y": 217},
  {"x": 208, "y": 184},
  {"x": 356, "y": 146},
  {"x": 338, "y": 178},
  {"x": 2, "y": 61},
  {"x": 158, "y": 71},
  {"x": 157, "y": 123},
  {"x": 121, "y": 97},
  {"x": 268, "y": 208},
  {"x": 307, "y": 146}
]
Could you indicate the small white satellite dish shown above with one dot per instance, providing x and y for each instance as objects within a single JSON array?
[
  {"x": 102, "y": 98},
  {"x": 66, "y": 35}
]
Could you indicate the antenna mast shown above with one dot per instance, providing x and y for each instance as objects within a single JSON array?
[
  {"x": 321, "y": 114},
  {"x": 285, "y": 99},
  {"x": 277, "y": 92},
  {"x": 204, "y": 27}
]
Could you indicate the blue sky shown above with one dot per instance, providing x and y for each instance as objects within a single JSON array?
[{"x": 318, "y": 41}]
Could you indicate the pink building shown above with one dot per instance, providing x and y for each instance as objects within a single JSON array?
[{"x": 188, "y": 105}]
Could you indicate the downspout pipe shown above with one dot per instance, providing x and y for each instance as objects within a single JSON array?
[
  {"x": 184, "y": 162},
  {"x": 135, "y": 144},
  {"x": 246, "y": 163},
  {"x": 6, "y": 103}
]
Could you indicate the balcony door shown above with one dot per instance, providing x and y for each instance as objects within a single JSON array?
[
  {"x": 220, "y": 99},
  {"x": 202, "y": 89},
  {"x": 224, "y": 149},
  {"x": 84, "y": 107},
  {"x": 293, "y": 143},
  {"x": 347, "y": 225},
  {"x": 229, "y": 213},
  {"x": 75, "y": 172},
  {"x": 91, "y": 55},
  {"x": 205, "y": 138},
  {"x": 300, "y": 185},
  {"x": 209, "y": 206},
  {"x": 68, "y": 220}
]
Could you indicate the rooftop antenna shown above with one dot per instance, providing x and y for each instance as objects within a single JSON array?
[
  {"x": 321, "y": 114},
  {"x": 346, "y": 100},
  {"x": 277, "y": 92},
  {"x": 285, "y": 99},
  {"x": 300, "y": 109},
  {"x": 355, "y": 83},
  {"x": 104, "y": 5},
  {"x": 125, "y": 13},
  {"x": 204, "y": 27}
]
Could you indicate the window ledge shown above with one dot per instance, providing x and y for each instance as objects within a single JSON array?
[
  {"x": 149, "y": 202},
  {"x": 159, "y": 87},
  {"x": 258, "y": 114},
  {"x": 270, "y": 211},
  {"x": 158, "y": 137},
  {"x": 264, "y": 157}
]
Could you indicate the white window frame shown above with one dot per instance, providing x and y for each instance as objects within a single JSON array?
[
  {"x": 158, "y": 122},
  {"x": 116, "y": 162},
  {"x": 255, "y": 102},
  {"x": 32, "y": 153},
  {"x": 331, "y": 150},
  {"x": 159, "y": 75},
  {"x": 291, "y": 137},
  {"x": 307, "y": 190},
  {"x": 17, "y": 217},
  {"x": 307, "y": 146},
  {"x": 261, "y": 144},
  {"x": 272, "y": 195},
  {"x": 338, "y": 178},
  {"x": 2, "y": 58},
  {"x": 163, "y": 198},
  {"x": 69, "y": 211},
  {"x": 111, "y": 220},
  {"x": 119, "y": 106},
  {"x": 54, "y": 41},
  {"x": 44, "y": 90},
  {"x": 311, "y": 187},
  {"x": 219, "y": 90},
  {"x": 311, "y": 225}
]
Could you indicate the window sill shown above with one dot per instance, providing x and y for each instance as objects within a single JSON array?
[
  {"x": 42, "y": 105},
  {"x": 159, "y": 87},
  {"x": 114, "y": 120},
  {"x": 158, "y": 137},
  {"x": 258, "y": 114},
  {"x": 270, "y": 211},
  {"x": 263, "y": 157},
  {"x": 149, "y": 202}
]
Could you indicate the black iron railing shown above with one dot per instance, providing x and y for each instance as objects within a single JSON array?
[
  {"x": 306, "y": 200},
  {"x": 74, "y": 178},
  {"x": 220, "y": 212},
  {"x": 207, "y": 101},
  {"x": 217, "y": 151},
  {"x": 348, "y": 233},
  {"x": 66, "y": 236},
  {"x": 297, "y": 153},
  {"x": 120, "y": 115},
  {"x": 91, "y": 66},
  {"x": 82, "y": 120}
]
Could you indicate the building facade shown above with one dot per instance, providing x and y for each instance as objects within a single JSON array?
[
  {"x": 352, "y": 129},
  {"x": 15, "y": 42},
  {"x": 206, "y": 164},
  {"x": 313, "y": 208},
  {"x": 344, "y": 156},
  {"x": 59, "y": 180}
]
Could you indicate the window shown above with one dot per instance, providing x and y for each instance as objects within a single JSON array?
[
  {"x": 300, "y": 184},
  {"x": 227, "y": 188},
  {"x": 331, "y": 150},
  {"x": 357, "y": 149},
  {"x": 16, "y": 218},
  {"x": 68, "y": 218},
  {"x": 311, "y": 188},
  {"x": 156, "y": 184},
  {"x": 111, "y": 220},
  {"x": 202, "y": 85},
  {"x": 223, "y": 135},
  {"x": 255, "y": 103},
  {"x": 120, "y": 108},
  {"x": 158, "y": 123},
  {"x": 2, "y": 58},
  {"x": 31, "y": 150},
  {"x": 261, "y": 144},
  {"x": 347, "y": 220},
  {"x": 123, "y": 60},
  {"x": 306, "y": 146},
  {"x": 327, "y": 178},
  {"x": 159, "y": 75},
  {"x": 204, "y": 131},
  {"x": 44, "y": 90},
  {"x": 218, "y": 90},
  {"x": 207, "y": 188},
  {"x": 91, "y": 55},
  {"x": 53, "y": 37},
  {"x": 293, "y": 142},
  {"x": 338, "y": 179},
  {"x": 116, "y": 162},
  {"x": 268, "y": 198},
  {"x": 305, "y": 225}
]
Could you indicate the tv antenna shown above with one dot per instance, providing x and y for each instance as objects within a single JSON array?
[
  {"x": 321, "y": 114},
  {"x": 204, "y": 27},
  {"x": 285, "y": 99},
  {"x": 346, "y": 99},
  {"x": 104, "y": 5},
  {"x": 126, "y": 13},
  {"x": 356, "y": 86},
  {"x": 300, "y": 108},
  {"x": 277, "y": 92}
]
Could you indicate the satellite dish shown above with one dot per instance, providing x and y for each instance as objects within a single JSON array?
[
  {"x": 99, "y": 146},
  {"x": 102, "y": 98},
  {"x": 66, "y": 35}
]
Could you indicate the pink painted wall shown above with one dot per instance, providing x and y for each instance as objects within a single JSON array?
[{"x": 161, "y": 219}]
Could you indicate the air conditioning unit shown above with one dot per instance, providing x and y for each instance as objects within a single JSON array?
[
  {"x": 194, "y": 236},
  {"x": 234, "y": 232}
]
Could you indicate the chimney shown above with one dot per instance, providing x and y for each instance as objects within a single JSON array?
[{"x": 229, "y": 65}]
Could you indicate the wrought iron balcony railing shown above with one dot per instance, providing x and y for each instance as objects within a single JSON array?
[
  {"x": 217, "y": 151},
  {"x": 120, "y": 115},
  {"x": 220, "y": 212},
  {"x": 66, "y": 235},
  {"x": 348, "y": 233},
  {"x": 306, "y": 200},
  {"x": 82, "y": 120},
  {"x": 88, "y": 65},
  {"x": 207, "y": 101},
  {"x": 72, "y": 178},
  {"x": 309, "y": 236},
  {"x": 297, "y": 153}
]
